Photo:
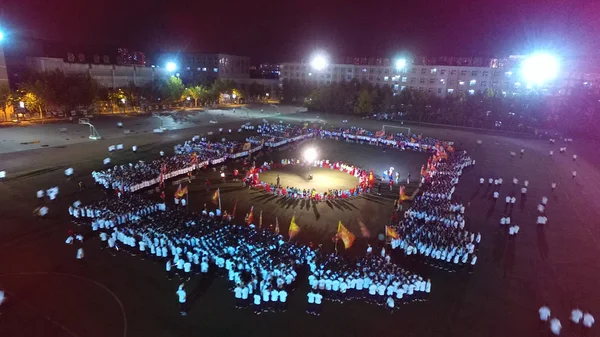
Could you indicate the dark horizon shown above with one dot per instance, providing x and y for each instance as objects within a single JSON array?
[{"x": 271, "y": 32}]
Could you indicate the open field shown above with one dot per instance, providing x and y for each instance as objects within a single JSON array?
[{"x": 52, "y": 295}]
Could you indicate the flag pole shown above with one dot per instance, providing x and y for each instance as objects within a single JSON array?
[{"x": 219, "y": 191}]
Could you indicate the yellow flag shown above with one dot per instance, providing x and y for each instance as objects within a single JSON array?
[
  {"x": 391, "y": 232},
  {"x": 346, "y": 235},
  {"x": 294, "y": 229}
]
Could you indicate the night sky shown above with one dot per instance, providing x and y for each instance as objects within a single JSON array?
[{"x": 275, "y": 31}]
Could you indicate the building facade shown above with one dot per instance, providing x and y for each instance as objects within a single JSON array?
[
  {"x": 206, "y": 67},
  {"x": 439, "y": 79},
  {"x": 3, "y": 72},
  {"x": 107, "y": 75}
]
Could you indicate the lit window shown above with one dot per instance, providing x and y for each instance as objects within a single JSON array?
[
  {"x": 215, "y": 70},
  {"x": 433, "y": 71},
  {"x": 402, "y": 87},
  {"x": 404, "y": 78},
  {"x": 472, "y": 82},
  {"x": 450, "y": 91},
  {"x": 461, "y": 82},
  {"x": 309, "y": 74},
  {"x": 199, "y": 69},
  {"x": 396, "y": 86},
  {"x": 442, "y": 80},
  {"x": 385, "y": 78},
  {"x": 472, "y": 92},
  {"x": 204, "y": 69},
  {"x": 364, "y": 70},
  {"x": 508, "y": 73}
]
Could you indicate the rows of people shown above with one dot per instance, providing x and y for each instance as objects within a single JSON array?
[{"x": 434, "y": 227}]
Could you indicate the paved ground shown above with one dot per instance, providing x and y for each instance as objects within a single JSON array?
[{"x": 51, "y": 295}]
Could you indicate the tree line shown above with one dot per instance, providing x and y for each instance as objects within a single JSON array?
[
  {"x": 54, "y": 91},
  {"x": 577, "y": 112}
]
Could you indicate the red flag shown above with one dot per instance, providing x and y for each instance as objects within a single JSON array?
[{"x": 234, "y": 209}]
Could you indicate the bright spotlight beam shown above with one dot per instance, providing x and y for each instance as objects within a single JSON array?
[
  {"x": 538, "y": 69},
  {"x": 319, "y": 62},
  {"x": 310, "y": 154},
  {"x": 400, "y": 64},
  {"x": 171, "y": 66}
]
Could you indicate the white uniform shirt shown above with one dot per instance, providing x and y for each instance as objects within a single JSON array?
[
  {"x": 182, "y": 295},
  {"x": 576, "y": 315},
  {"x": 588, "y": 320},
  {"x": 555, "y": 326},
  {"x": 544, "y": 313}
]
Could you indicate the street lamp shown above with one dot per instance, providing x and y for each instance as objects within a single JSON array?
[
  {"x": 171, "y": 66},
  {"x": 539, "y": 68},
  {"x": 319, "y": 61}
]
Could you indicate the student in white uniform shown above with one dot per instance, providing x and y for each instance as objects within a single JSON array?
[
  {"x": 555, "y": 326},
  {"x": 390, "y": 304},
  {"x": 80, "y": 254},
  {"x": 588, "y": 320},
  {"x": 283, "y": 300},
  {"x": 545, "y": 313},
  {"x": 576, "y": 315},
  {"x": 257, "y": 299},
  {"x": 310, "y": 309},
  {"x": 318, "y": 304},
  {"x": 182, "y": 300}
]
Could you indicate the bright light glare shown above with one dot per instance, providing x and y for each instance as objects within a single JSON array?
[
  {"x": 400, "y": 64},
  {"x": 319, "y": 62},
  {"x": 171, "y": 66},
  {"x": 1, "y": 36},
  {"x": 539, "y": 68},
  {"x": 310, "y": 154}
]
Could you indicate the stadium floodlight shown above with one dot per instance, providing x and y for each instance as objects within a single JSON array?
[
  {"x": 400, "y": 64},
  {"x": 538, "y": 69},
  {"x": 310, "y": 154},
  {"x": 319, "y": 61},
  {"x": 171, "y": 66}
]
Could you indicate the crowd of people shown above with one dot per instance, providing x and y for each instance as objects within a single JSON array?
[
  {"x": 434, "y": 227},
  {"x": 364, "y": 178},
  {"x": 261, "y": 266}
]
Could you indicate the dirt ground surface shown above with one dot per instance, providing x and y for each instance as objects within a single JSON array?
[{"x": 50, "y": 294}]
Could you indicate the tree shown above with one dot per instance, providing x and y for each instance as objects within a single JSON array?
[
  {"x": 173, "y": 89},
  {"x": 364, "y": 104},
  {"x": 195, "y": 92},
  {"x": 7, "y": 99}
]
